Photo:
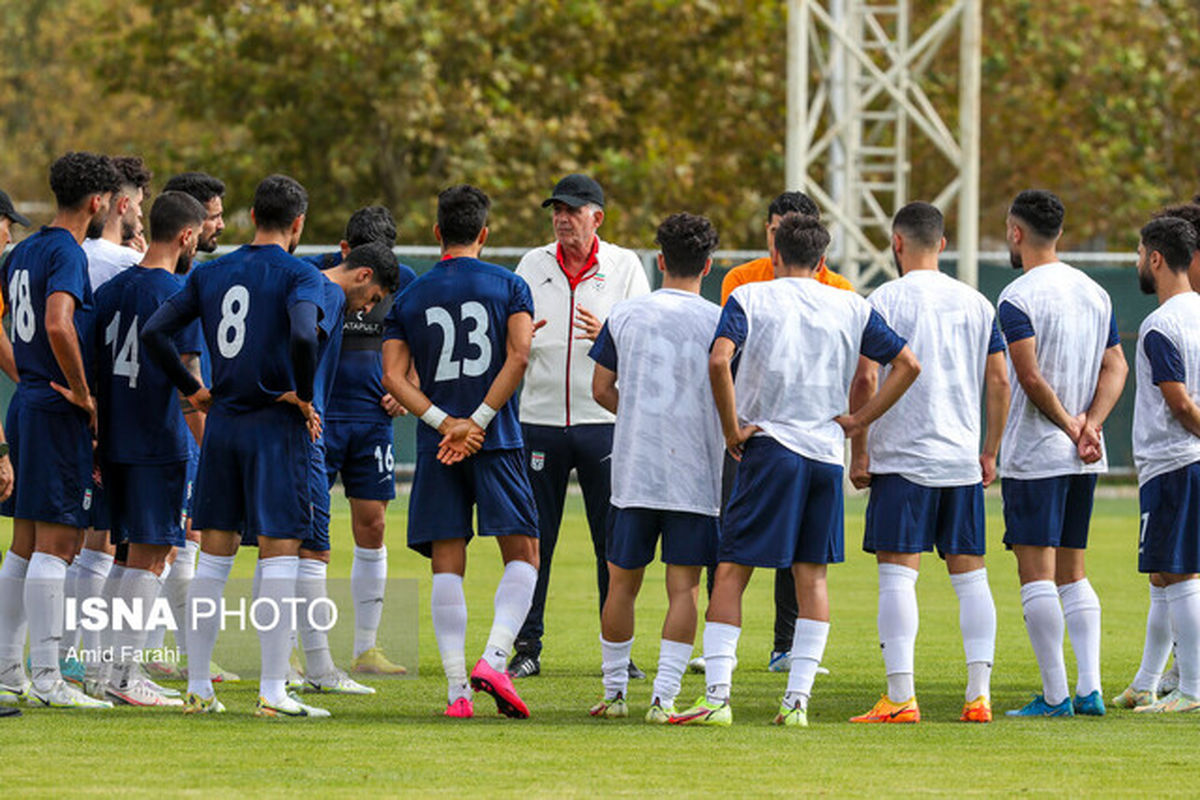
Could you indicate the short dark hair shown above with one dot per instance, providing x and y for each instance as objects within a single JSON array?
[
  {"x": 921, "y": 222},
  {"x": 1041, "y": 210},
  {"x": 801, "y": 240},
  {"x": 371, "y": 224},
  {"x": 687, "y": 242},
  {"x": 1187, "y": 211},
  {"x": 76, "y": 176},
  {"x": 200, "y": 185},
  {"x": 278, "y": 200},
  {"x": 792, "y": 203},
  {"x": 1174, "y": 238},
  {"x": 461, "y": 213},
  {"x": 380, "y": 259},
  {"x": 133, "y": 171},
  {"x": 172, "y": 212}
]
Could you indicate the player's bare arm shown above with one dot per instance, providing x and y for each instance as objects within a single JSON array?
[
  {"x": 60, "y": 330},
  {"x": 862, "y": 389},
  {"x": 1113, "y": 372},
  {"x": 1024, "y": 358},
  {"x": 8, "y": 364},
  {"x": 995, "y": 381},
  {"x": 397, "y": 366},
  {"x": 905, "y": 369},
  {"x": 720, "y": 375},
  {"x": 604, "y": 388},
  {"x": 1183, "y": 407},
  {"x": 193, "y": 414}
]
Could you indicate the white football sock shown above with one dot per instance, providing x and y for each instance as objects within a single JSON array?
[
  {"x": 808, "y": 648},
  {"x": 91, "y": 579},
  {"x": 44, "y": 606},
  {"x": 1157, "y": 648},
  {"x": 614, "y": 665},
  {"x": 368, "y": 580},
  {"x": 278, "y": 584},
  {"x": 448, "y": 605},
  {"x": 176, "y": 589},
  {"x": 898, "y": 622},
  {"x": 139, "y": 587},
  {"x": 1081, "y": 610},
  {"x": 1044, "y": 623},
  {"x": 720, "y": 650},
  {"x": 310, "y": 585},
  {"x": 977, "y": 623},
  {"x": 212, "y": 573},
  {"x": 101, "y": 641},
  {"x": 514, "y": 595},
  {"x": 672, "y": 663},
  {"x": 70, "y": 638},
  {"x": 154, "y": 638},
  {"x": 1183, "y": 601},
  {"x": 12, "y": 609}
]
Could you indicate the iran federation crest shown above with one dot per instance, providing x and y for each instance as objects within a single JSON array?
[
  {"x": 598, "y": 278},
  {"x": 537, "y": 460}
]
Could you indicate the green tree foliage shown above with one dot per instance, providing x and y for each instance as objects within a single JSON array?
[{"x": 671, "y": 104}]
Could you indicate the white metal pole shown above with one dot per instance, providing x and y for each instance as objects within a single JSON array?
[
  {"x": 796, "y": 158},
  {"x": 970, "y": 64}
]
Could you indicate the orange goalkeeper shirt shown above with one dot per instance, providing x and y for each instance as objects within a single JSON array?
[{"x": 760, "y": 269}]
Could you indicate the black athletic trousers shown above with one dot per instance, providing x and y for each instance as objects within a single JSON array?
[{"x": 550, "y": 454}]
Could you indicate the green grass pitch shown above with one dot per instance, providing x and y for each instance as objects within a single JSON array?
[{"x": 397, "y": 744}]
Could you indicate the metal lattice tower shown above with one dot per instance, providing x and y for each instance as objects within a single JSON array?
[{"x": 858, "y": 117}]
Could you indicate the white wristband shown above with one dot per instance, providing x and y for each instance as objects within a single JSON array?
[
  {"x": 483, "y": 415},
  {"x": 434, "y": 417}
]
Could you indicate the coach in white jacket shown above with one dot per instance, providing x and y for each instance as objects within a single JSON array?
[{"x": 575, "y": 280}]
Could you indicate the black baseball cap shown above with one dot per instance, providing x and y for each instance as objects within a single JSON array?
[
  {"x": 7, "y": 210},
  {"x": 576, "y": 190}
]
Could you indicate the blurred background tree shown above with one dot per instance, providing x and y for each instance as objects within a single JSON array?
[{"x": 671, "y": 105}]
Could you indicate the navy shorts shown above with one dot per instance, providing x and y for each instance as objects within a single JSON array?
[
  {"x": 491, "y": 482},
  {"x": 99, "y": 510},
  {"x": 1169, "y": 540},
  {"x": 254, "y": 474},
  {"x": 54, "y": 473},
  {"x": 1048, "y": 512},
  {"x": 905, "y": 517},
  {"x": 362, "y": 453},
  {"x": 12, "y": 433},
  {"x": 784, "y": 509},
  {"x": 146, "y": 503},
  {"x": 318, "y": 487},
  {"x": 688, "y": 539}
]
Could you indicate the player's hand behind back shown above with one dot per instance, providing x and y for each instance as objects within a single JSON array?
[
  {"x": 311, "y": 418},
  {"x": 392, "y": 406},
  {"x": 460, "y": 438},
  {"x": 83, "y": 401},
  {"x": 201, "y": 400},
  {"x": 860, "y": 471}
]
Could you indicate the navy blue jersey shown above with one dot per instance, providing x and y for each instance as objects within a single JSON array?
[
  {"x": 141, "y": 421},
  {"x": 242, "y": 300},
  {"x": 49, "y": 261},
  {"x": 324, "y": 260},
  {"x": 358, "y": 386},
  {"x": 333, "y": 311},
  {"x": 455, "y": 321}
]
